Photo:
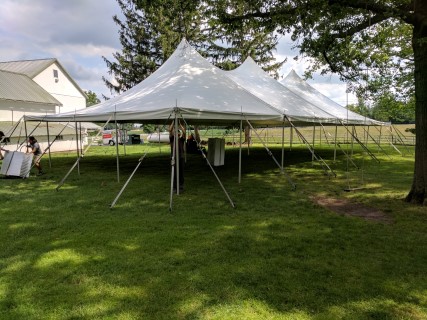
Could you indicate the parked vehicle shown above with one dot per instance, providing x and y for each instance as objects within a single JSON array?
[{"x": 109, "y": 137}]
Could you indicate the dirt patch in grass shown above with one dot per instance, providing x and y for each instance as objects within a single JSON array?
[{"x": 347, "y": 208}]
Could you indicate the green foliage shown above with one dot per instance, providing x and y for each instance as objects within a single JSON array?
[
  {"x": 368, "y": 43},
  {"x": 388, "y": 108},
  {"x": 151, "y": 30},
  {"x": 92, "y": 99}
]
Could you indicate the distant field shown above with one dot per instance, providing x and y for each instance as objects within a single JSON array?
[{"x": 323, "y": 135}]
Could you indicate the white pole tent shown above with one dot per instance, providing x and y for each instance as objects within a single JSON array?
[
  {"x": 201, "y": 92},
  {"x": 342, "y": 115},
  {"x": 188, "y": 87},
  {"x": 299, "y": 108},
  {"x": 185, "y": 86}
]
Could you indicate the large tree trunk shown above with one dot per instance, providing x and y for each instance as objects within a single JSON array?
[{"x": 418, "y": 193}]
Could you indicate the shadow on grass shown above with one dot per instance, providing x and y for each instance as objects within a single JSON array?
[{"x": 66, "y": 255}]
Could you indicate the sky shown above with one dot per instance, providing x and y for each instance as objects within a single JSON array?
[{"x": 80, "y": 32}]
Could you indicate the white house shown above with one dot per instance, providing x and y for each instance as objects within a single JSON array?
[{"x": 40, "y": 86}]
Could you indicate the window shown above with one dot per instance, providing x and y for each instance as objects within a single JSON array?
[
  {"x": 55, "y": 73},
  {"x": 60, "y": 137}
]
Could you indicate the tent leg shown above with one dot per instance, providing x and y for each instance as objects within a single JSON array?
[
  {"x": 117, "y": 149},
  {"x": 172, "y": 176},
  {"x": 77, "y": 147},
  {"x": 81, "y": 156},
  {"x": 127, "y": 182},
  {"x": 325, "y": 166},
  {"x": 47, "y": 149},
  {"x": 291, "y": 138},
  {"x": 212, "y": 169},
  {"x": 240, "y": 154},
  {"x": 314, "y": 134},
  {"x": 177, "y": 152},
  {"x": 335, "y": 147},
  {"x": 48, "y": 143},
  {"x": 283, "y": 146},
  {"x": 354, "y": 138},
  {"x": 274, "y": 159}
]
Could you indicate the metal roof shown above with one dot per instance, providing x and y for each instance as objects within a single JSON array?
[
  {"x": 19, "y": 87},
  {"x": 30, "y": 68},
  {"x": 36, "y": 129}
]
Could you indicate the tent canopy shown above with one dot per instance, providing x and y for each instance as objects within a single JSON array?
[
  {"x": 188, "y": 86},
  {"x": 300, "y": 87},
  {"x": 186, "y": 83}
]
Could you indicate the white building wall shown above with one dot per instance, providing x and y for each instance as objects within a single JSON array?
[
  {"x": 61, "y": 88},
  {"x": 14, "y": 110}
]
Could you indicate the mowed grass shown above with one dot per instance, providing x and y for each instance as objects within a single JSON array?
[{"x": 66, "y": 255}]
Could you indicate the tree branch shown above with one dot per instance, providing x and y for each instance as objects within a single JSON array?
[{"x": 404, "y": 11}]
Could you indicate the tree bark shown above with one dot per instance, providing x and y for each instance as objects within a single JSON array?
[{"x": 418, "y": 192}]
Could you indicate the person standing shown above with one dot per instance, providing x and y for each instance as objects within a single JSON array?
[
  {"x": 37, "y": 152},
  {"x": 179, "y": 153},
  {"x": 1, "y": 148}
]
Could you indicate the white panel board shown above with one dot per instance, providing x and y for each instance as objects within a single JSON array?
[{"x": 17, "y": 164}]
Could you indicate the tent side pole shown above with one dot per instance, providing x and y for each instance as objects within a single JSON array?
[
  {"x": 177, "y": 160},
  {"x": 48, "y": 143},
  {"x": 81, "y": 137},
  {"x": 77, "y": 147},
  {"x": 240, "y": 153},
  {"x": 354, "y": 138},
  {"x": 210, "y": 166},
  {"x": 81, "y": 156},
  {"x": 314, "y": 134},
  {"x": 291, "y": 138},
  {"x": 47, "y": 149},
  {"x": 283, "y": 145},
  {"x": 335, "y": 143},
  {"x": 273, "y": 157},
  {"x": 328, "y": 169},
  {"x": 117, "y": 147}
]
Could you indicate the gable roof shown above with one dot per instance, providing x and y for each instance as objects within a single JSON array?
[
  {"x": 19, "y": 87},
  {"x": 32, "y": 68},
  {"x": 201, "y": 91}
]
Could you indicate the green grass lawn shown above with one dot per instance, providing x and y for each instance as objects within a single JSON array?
[{"x": 66, "y": 255}]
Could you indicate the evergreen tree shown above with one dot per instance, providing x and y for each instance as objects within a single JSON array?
[
  {"x": 152, "y": 29},
  {"x": 141, "y": 54}
]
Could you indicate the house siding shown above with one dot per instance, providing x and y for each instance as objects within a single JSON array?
[{"x": 61, "y": 88}]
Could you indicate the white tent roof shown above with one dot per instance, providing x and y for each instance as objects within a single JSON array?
[
  {"x": 293, "y": 97},
  {"x": 300, "y": 87},
  {"x": 201, "y": 92},
  {"x": 250, "y": 76}
]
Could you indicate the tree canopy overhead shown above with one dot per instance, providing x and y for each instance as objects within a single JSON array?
[{"x": 373, "y": 44}]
